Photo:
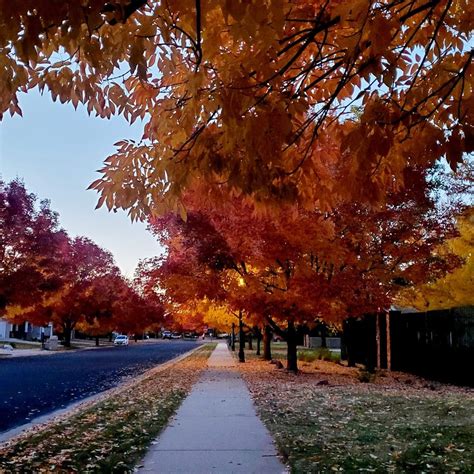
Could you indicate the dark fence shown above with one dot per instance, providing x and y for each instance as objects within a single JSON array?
[{"x": 435, "y": 344}]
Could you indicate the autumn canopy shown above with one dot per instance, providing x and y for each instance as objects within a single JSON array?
[
  {"x": 280, "y": 99},
  {"x": 48, "y": 277},
  {"x": 315, "y": 125}
]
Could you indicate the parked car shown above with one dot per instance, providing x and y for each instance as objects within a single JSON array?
[
  {"x": 166, "y": 335},
  {"x": 121, "y": 340},
  {"x": 176, "y": 335}
]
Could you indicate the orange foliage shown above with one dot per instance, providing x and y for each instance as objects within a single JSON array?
[{"x": 280, "y": 99}]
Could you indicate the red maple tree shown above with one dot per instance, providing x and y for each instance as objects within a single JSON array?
[{"x": 304, "y": 265}]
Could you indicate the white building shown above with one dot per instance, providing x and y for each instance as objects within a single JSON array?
[
  {"x": 25, "y": 330},
  {"x": 5, "y": 328}
]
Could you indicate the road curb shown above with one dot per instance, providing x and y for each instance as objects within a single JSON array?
[{"x": 57, "y": 415}]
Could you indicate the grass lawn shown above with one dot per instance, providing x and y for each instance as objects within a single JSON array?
[
  {"x": 110, "y": 435},
  {"x": 304, "y": 354},
  {"x": 325, "y": 420},
  {"x": 21, "y": 345}
]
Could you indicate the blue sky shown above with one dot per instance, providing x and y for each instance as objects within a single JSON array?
[{"x": 56, "y": 151}]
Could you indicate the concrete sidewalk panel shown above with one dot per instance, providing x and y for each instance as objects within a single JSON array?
[
  {"x": 222, "y": 462},
  {"x": 216, "y": 429},
  {"x": 235, "y": 432}
]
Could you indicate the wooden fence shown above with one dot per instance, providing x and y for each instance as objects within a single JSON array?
[{"x": 436, "y": 344}]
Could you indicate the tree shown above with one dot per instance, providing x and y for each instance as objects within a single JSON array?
[
  {"x": 305, "y": 264},
  {"x": 106, "y": 297},
  {"x": 80, "y": 295},
  {"x": 47, "y": 277},
  {"x": 454, "y": 289},
  {"x": 31, "y": 247},
  {"x": 138, "y": 312},
  {"x": 259, "y": 95}
]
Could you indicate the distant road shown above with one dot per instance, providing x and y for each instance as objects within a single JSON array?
[{"x": 37, "y": 385}]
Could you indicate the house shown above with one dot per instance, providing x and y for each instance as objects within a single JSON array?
[
  {"x": 26, "y": 331},
  {"x": 5, "y": 328}
]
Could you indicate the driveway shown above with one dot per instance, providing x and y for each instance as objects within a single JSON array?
[{"x": 34, "y": 386}]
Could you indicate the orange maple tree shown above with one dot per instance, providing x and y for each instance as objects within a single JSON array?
[
  {"x": 280, "y": 99},
  {"x": 304, "y": 265}
]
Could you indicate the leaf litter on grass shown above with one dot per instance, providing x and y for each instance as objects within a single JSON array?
[
  {"x": 109, "y": 435},
  {"x": 397, "y": 424}
]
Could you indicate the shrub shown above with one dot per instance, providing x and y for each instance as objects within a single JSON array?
[
  {"x": 325, "y": 354},
  {"x": 307, "y": 356},
  {"x": 365, "y": 376}
]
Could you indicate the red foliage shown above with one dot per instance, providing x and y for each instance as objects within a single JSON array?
[
  {"x": 31, "y": 247},
  {"x": 302, "y": 265}
]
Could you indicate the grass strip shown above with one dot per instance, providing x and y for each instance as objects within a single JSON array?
[
  {"x": 346, "y": 426},
  {"x": 113, "y": 434}
]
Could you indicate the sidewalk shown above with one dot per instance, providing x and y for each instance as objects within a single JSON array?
[{"x": 216, "y": 429}]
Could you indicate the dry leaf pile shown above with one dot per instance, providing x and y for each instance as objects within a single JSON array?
[
  {"x": 325, "y": 419},
  {"x": 110, "y": 435}
]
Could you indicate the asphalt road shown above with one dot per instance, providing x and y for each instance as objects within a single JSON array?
[{"x": 34, "y": 386}]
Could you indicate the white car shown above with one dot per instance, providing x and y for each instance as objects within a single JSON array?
[{"x": 121, "y": 340}]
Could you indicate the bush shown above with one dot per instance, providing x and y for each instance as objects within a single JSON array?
[
  {"x": 307, "y": 356},
  {"x": 325, "y": 354},
  {"x": 365, "y": 376}
]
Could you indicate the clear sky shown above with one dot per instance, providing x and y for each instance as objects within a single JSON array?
[{"x": 57, "y": 152}]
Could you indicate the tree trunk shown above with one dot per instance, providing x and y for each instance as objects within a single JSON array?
[
  {"x": 250, "y": 341},
  {"x": 232, "y": 337},
  {"x": 110, "y": 337},
  {"x": 97, "y": 341},
  {"x": 377, "y": 340},
  {"x": 67, "y": 330},
  {"x": 241, "y": 339},
  {"x": 323, "y": 336},
  {"x": 267, "y": 341},
  {"x": 348, "y": 336},
  {"x": 389, "y": 342},
  {"x": 292, "y": 354},
  {"x": 259, "y": 339},
  {"x": 370, "y": 355}
]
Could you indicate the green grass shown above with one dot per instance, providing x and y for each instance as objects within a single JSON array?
[
  {"x": 311, "y": 355},
  {"x": 304, "y": 354},
  {"x": 112, "y": 435},
  {"x": 348, "y": 430}
]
